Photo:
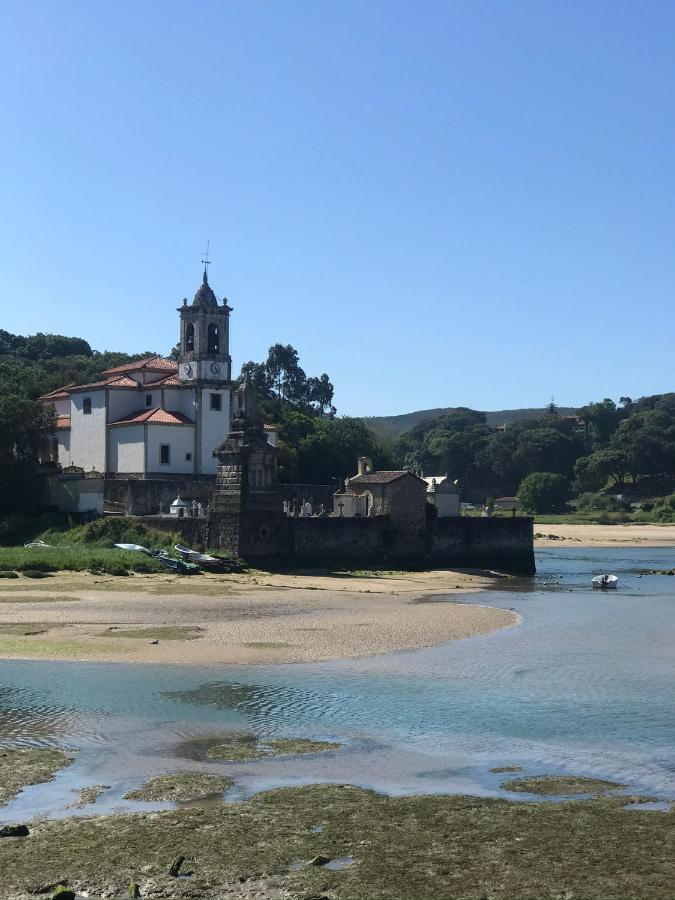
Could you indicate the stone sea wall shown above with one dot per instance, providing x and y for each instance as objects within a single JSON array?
[{"x": 275, "y": 540}]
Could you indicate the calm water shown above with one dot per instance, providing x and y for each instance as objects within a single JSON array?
[{"x": 584, "y": 684}]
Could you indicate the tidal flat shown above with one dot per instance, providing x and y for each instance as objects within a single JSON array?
[{"x": 397, "y": 848}]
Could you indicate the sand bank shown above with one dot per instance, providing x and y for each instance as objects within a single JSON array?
[
  {"x": 631, "y": 535},
  {"x": 245, "y": 619}
]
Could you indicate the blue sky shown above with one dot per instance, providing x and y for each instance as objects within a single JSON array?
[{"x": 437, "y": 203}]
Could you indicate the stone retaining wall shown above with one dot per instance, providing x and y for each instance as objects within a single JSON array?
[{"x": 275, "y": 540}]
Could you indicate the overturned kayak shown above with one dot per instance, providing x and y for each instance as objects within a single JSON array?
[
  {"x": 604, "y": 581},
  {"x": 37, "y": 545},
  {"x": 135, "y": 547}
]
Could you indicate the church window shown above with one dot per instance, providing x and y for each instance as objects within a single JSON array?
[
  {"x": 148, "y": 399},
  {"x": 189, "y": 338},
  {"x": 213, "y": 339},
  {"x": 216, "y": 402},
  {"x": 164, "y": 454},
  {"x": 86, "y": 406},
  {"x": 188, "y": 457}
]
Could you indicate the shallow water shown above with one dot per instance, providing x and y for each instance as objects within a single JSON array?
[{"x": 584, "y": 684}]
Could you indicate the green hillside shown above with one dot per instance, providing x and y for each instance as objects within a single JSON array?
[{"x": 394, "y": 426}]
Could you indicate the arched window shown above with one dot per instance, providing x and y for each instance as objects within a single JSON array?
[
  {"x": 213, "y": 340},
  {"x": 189, "y": 338}
]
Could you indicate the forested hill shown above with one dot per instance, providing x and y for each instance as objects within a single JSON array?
[{"x": 394, "y": 426}]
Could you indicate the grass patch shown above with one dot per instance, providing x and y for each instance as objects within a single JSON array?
[
  {"x": 180, "y": 787},
  {"x": 248, "y": 746},
  {"x": 58, "y": 599},
  {"x": 25, "y": 629},
  {"x": 88, "y": 795},
  {"x": 267, "y": 645},
  {"x": 43, "y": 648},
  {"x": 160, "y": 633},
  {"x": 560, "y": 785},
  {"x": 299, "y": 745},
  {"x": 75, "y": 558},
  {"x": 19, "y": 768},
  {"x": 403, "y": 848}
]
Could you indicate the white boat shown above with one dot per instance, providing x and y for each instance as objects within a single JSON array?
[
  {"x": 136, "y": 547},
  {"x": 37, "y": 545},
  {"x": 202, "y": 559},
  {"x": 604, "y": 581}
]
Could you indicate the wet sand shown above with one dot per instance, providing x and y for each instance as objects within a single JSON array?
[
  {"x": 631, "y": 535},
  {"x": 238, "y": 619}
]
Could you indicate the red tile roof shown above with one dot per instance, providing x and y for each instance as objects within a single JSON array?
[
  {"x": 63, "y": 421},
  {"x": 166, "y": 381},
  {"x": 151, "y": 364},
  {"x": 155, "y": 416},
  {"x": 59, "y": 394},
  {"x": 123, "y": 381},
  {"x": 379, "y": 477}
]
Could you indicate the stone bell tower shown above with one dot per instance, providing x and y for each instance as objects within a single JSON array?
[
  {"x": 205, "y": 337},
  {"x": 205, "y": 369}
]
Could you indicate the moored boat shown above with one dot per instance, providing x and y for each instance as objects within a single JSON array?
[{"x": 604, "y": 581}]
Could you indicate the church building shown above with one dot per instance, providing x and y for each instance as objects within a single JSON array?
[{"x": 155, "y": 417}]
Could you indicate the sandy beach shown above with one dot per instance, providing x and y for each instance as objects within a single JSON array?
[
  {"x": 605, "y": 535},
  {"x": 240, "y": 619}
]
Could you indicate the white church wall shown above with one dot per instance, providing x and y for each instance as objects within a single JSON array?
[
  {"x": 126, "y": 448},
  {"x": 122, "y": 403},
  {"x": 61, "y": 407},
  {"x": 180, "y": 439},
  {"x": 88, "y": 431},
  {"x": 215, "y": 426},
  {"x": 63, "y": 444},
  {"x": 180, "y": 400}
]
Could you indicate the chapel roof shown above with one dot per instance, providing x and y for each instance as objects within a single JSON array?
[
  {"x": 155, "y": 416},
  {"x": 379, "y": 477}
]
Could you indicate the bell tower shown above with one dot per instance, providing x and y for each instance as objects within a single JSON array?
[
  {"x": 205, "y": 370},
  {"x": 204, "y": 337}
]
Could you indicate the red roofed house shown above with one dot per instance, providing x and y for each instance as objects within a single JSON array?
[{"x": 155, "y": 416}]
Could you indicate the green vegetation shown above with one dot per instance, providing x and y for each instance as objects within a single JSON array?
[
  {"x": 402, "y": 847},
  {"x": 543, "y": 492},
  {"x": 560, "y": 785},
  {"x": 90, "y": 548},
  {"x": 157, "y": 633},
  {"x": 248, "y": 746},
  {"x": 181, "y": 787},
  {"x": 88, "y": 795},
  {"x": 19, "y": 768},
  {"x": 620, "y": 460}
]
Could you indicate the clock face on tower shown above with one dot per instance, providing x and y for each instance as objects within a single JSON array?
[
  {"x": 186, "y": 372},
  {"x": 214, "y": 368}
]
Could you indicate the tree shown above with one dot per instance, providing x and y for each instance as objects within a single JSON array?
[
  {"x": 591, "y": 472},
  {"x": 320, "y": 394},
  {"x": 603, "y": 419},
  {"x": 333, "y": 447},
  {"x": 286, "y": 378},
  {"x": 543, "y": 492}
]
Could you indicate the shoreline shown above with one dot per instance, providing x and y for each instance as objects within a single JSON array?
[
  {"x": 630, "y": 535},
  {"x": 240, "y": 620}
]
